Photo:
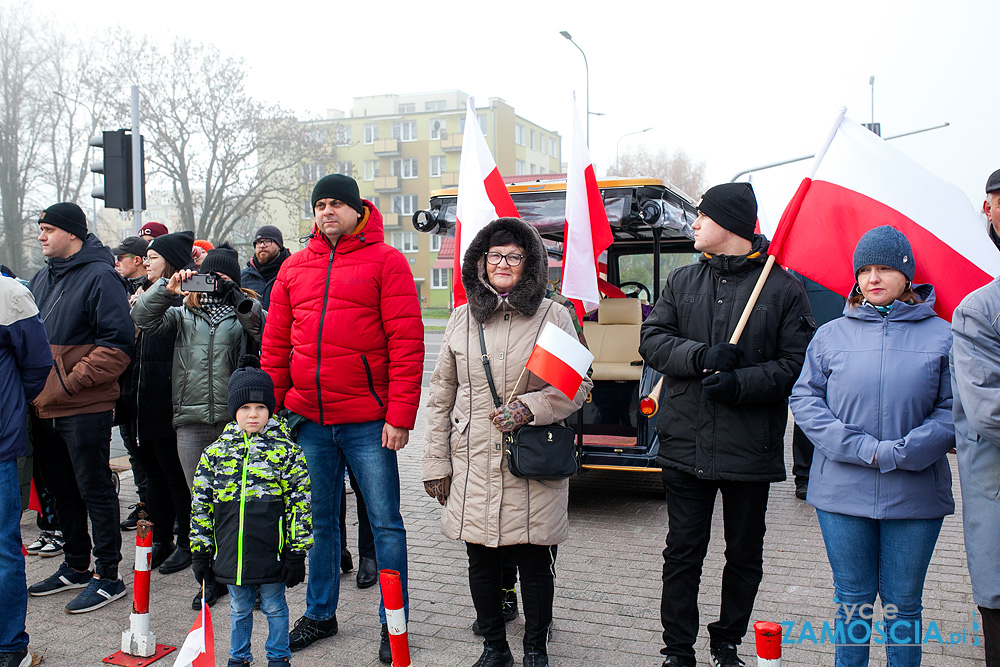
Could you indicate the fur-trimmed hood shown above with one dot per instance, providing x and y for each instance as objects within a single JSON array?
[{"x": 529, "y": 291}]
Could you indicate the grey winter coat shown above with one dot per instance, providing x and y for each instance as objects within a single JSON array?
[
  {"x": 487, "y": 504},
  {"x": 975, "y": 378},
  {"x": 874, "y": 397},
  {"x": 204, "y": 355}
]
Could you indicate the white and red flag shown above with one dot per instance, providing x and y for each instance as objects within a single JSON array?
[
  {"x": 198, "y": 649},
  {"x": 859, "y": 182},
  {"x": 587, "y": 232},
  {"x": 560, "y": 359},
  {"x": 482, "y": 196}
]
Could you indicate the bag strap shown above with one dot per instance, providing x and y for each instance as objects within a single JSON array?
[{"x": 486, "y": 365}]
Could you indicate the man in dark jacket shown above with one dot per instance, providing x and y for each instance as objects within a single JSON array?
[
  {"x": 269, "y": 253},
  {"x": 25, "y": 360},
  {"x": 85, "y": 310},
  {"x": 722, "y": 415}
]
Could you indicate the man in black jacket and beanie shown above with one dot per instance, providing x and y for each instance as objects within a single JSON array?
[
  {"x": 269, "y": 253},
  {"x": 723, "y": 412}
]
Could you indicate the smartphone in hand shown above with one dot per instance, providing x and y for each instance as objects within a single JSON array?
[{"x": 200, "y": 282}]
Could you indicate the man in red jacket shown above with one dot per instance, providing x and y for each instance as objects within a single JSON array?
[{"x": 344, "y": 345}]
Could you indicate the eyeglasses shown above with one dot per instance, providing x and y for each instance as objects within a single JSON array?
[
  {"x": 262, "y": 243},
  {"x": 513, "y": 259}
]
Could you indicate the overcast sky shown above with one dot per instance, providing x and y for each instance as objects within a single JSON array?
[{"x": 736, "y": 84}]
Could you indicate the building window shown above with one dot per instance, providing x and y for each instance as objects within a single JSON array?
[
  {"x": 520, "y": 168},
  {"x": 541, "y": 143},
  {"x": 313, "y": 172},
  {"x": 405, "y": 167},
  {"x": 307, "y": 210},
  {"x": 482, "y": 124},
  {"x": 552, "y": 148},
  {"x": 371, "y": 133},
  {"x": 343, "y": 135},
  {"x": 439, "y": 278},
  {"x": 532, "y": 168},
  {"x": 314, "y": 138},
  {"x": 435, "y": 105},
  {"x": 405, "y": 241},
  {"x": 404, "y": 204},
  {"x": 374, "y": 200},
  {"x": 534, "y": 141},
  {"x": 409, "y": 107},
  {"x": 437, "y": 166},
  {"x": 436, "y": 242},
  {"x": 519, "y": 135},
  {"x": 346, "y": 168},
  {"x": 405, "y": 131},
  {"x": 371, "y": 169},
  {"x": 438, "y": 128}
]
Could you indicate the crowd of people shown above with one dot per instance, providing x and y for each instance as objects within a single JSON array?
[{"x": 245, "y": 395}]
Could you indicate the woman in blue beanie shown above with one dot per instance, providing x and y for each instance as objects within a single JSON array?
[{"x": 875, "y": 398}]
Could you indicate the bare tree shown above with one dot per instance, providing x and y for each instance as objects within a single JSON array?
[
  {"x": 206, "y": 136},
  {"x": 676, "y": 169}
]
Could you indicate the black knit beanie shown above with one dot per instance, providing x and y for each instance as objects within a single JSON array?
[
  {"x": 884, "y": 246},
  {"x": 338, "y": 186},
  {"x": 249, "y": 384},
  {"x": 67, "y": 216},
  {"x": 732, "y": 206},
  {"x": 269, "y": 232},
  {"x": 175, "y": 248},
  {"x": 222, "y": 260}
]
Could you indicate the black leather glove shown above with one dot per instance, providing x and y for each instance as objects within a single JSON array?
[
  {"x": 721, "y": 357},
  {"x": 229, "y": 292},
  {"x": 295, "y": 568},
  {"x": 201, "y": 565},
  {"x": 721, "y": 387}
]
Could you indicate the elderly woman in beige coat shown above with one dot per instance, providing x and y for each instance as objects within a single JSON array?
[{"x": 497, "y": 515}]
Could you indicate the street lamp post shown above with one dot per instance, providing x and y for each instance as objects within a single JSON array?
[
  {"x": 617, "y": 170},
  {"x": 586, "y": 68}
]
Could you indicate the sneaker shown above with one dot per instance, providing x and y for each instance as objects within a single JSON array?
[
  {"x": 54, "y": 546},
  {"x": 133, "y": 518},
  {"x": 15, "y": 659},
  {"x": 65, "y": 578},
  {"x": 672, "y": 661},
  {"x": 308, "y": 630},
  {"x": 535, "y": 658},
  {"x": 280, "y": 662},
  {"x": 236, "y": 662},
  {"x": 36, "y": 546},
  {"x": 494, "y": 657},
  {"x": 99, "y": 592},
  {"x": 384, "y": 649},
  {"x": 724, "y": 655}
]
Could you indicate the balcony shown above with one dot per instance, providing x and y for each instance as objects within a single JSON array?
[
  {"x": 452, "y": 143},
  {"x": 449, "y": 179},
  {"x": 395, "y": 220},
  {"x": 388, "y": 184},
  {"x": 386, "y": 147}
]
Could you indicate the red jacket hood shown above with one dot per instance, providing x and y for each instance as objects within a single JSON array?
[{"x": 370, "y": 230}]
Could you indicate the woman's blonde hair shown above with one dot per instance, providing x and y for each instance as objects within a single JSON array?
[{"x": 856, "y": 298}]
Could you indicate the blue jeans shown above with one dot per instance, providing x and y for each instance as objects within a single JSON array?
[
  {"x": 272, "y": 603},
  {"x": 888, "y": 557},
  {"x": 374, "y": 466},
  {"x": 13, "y": 587}
]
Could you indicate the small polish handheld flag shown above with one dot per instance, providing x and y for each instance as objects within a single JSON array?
[
  {"x": 560, "y": 359},
  {"x": 482, "y": 196},
  {"x": 858, "y": 182},
  {"x": 587, "y": 232},
  {"x": 198, "y": 649}
]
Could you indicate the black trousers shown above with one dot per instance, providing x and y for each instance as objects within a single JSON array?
[
  {"x": 168, "y": 497},
  {"x": 74, "y": 454},
  {"x": 690, "y": 502},
  {"x": 537, "y": 566},
  {"x": 802, "y": 454},
  {"x": 128, "y": 429},
  {"x": 366, "y": 539},
  {"x": 991, "y": 635}
]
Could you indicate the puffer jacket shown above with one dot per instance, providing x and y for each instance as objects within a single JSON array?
[
  {"x": 84, "y": 306},
  {"x": 250, "y": 504},
  {"x": 205, "y": 355},
  {"x": 487, "y": 505},
  {"x": 975, "y": 379},
  {"x": 874, "y": 397},
  {"x": 699, "y": 307},
  {"x": 344, "y": 342}
]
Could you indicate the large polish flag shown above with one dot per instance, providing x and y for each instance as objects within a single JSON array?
[
  {"x": 587, "y": 232},
  {"x": 482, "y": 196},
  {"x": 560, "y": 359},
  {"x": 198, "y": 649},
  {"x": 858, "y": 182}
]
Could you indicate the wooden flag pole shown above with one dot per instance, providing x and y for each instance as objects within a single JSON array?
[
  {"x": 515, "y": 385},
  {"x": 752, "y": 301}
]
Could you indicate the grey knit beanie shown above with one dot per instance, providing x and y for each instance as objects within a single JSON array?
[{"x": 884, "y": 246}]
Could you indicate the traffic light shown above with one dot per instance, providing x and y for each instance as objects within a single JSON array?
[{"x": 117, "y": 169}]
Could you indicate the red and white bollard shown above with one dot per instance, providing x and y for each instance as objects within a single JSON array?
[
  {"x": 138, "y": 640},
  {"x": 768, "y": 637},
  {"x": 395, "y": 617}
]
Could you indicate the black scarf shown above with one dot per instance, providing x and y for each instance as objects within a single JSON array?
[{"x": 269, "y": 271}]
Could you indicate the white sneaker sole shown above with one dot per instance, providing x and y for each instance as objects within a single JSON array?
[
  {"x": 69, "y": 586},
  {"x": 108, "y": 599}
]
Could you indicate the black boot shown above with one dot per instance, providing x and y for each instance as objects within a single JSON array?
[
  {"x": 177, "y": 561},
  {"x": 346, "y": 561},
  {"x": 161, "y": 551},
  {"x": 495, "y": 657},
  {"x": 367, "y": 572}
]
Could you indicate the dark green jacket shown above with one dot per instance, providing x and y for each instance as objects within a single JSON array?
[{"x": 250, "y": 504}]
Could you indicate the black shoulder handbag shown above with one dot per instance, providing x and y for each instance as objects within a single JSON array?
[{"x": 536, "y": 452}]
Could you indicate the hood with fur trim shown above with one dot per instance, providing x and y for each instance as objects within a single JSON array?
[{"x": 529, "y": 291}]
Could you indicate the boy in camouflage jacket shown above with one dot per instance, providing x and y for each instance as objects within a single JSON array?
[{"x": 250, "y": 518}]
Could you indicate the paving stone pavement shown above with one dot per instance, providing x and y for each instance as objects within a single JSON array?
[{"x": 607, "y": 588}]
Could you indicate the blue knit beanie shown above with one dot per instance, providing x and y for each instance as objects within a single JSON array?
[{"x": 884, "y": 246}]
